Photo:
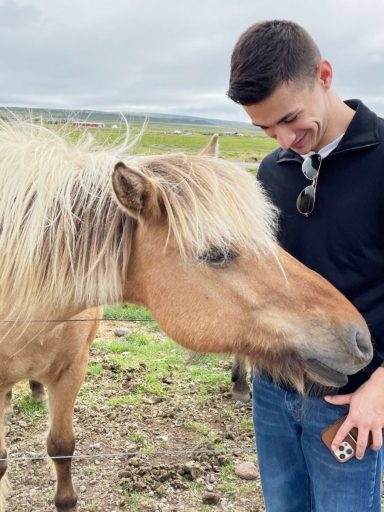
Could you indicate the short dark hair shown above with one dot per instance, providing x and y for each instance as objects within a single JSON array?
[{"x": 268, "y": 54}]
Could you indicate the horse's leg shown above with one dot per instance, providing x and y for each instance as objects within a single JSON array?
[
  {"x": 8, "y": 407},
  {"x": 240, "y": 388},
  {"x": 62, "y": 388},
  {"x": 38, "y": 391},
  {"x": 3, "y": 451},
  {"x": 61, "y": 440}
]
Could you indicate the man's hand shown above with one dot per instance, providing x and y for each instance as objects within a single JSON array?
[{"x": 366, "y": 412}]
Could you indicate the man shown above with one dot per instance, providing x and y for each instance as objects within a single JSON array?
[{"x": 327, "y": 178}]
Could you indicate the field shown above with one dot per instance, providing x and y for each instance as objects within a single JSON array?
[
  {"x": 165, "y": 413},
  {"x": 250, "y": 147},
  {"x": 242, "y": 145}
]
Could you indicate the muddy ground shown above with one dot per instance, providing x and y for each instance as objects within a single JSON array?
[{"x": 180, "y": 451}]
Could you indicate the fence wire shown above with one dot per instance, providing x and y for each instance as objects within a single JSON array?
[
  {"x": 119, "y": 455},
  {"x": 129, "y": 455}
]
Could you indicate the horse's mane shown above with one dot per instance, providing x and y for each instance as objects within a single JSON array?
[{"x": 64, "y": 241}]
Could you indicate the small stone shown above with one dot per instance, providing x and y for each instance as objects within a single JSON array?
[
  {"x": 80, "y": 408},
  {"x": 120, "y": 331},
  {"x": 82, "y": 488},
  {"x": 162, "y": 438},
  {"x": 211, "y": 498},
  {"x": 211, "y": 478},
  {"x": 246, "y": 471},
  {"x": 95, "y": 446}
]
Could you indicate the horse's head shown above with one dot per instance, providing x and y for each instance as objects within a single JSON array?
[{"x": 205, "y": 262}]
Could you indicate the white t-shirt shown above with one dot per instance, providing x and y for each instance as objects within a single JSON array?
[{"x": 323, "y": 152}]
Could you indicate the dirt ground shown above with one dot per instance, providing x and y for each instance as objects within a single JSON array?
[{"x": 159, "y": 464}]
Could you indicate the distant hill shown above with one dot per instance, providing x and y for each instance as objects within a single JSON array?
[{"x": 115, "y": 117}]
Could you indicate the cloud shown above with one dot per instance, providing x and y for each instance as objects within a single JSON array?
[
  {"x": 169, "y": 56},
  {"x": 15, "y": 16}
]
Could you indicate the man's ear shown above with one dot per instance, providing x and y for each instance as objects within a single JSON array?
[
  {"x": 212, "y": 149},
  {"x": 134, "y": 193},
  {"x": 325, "y": 73}
]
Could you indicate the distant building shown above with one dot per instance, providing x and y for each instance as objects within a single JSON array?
[
  {"x": 232, "y": 134},
  {"x": 91, "y": 124},
  {"x": 75, "y": 122}
]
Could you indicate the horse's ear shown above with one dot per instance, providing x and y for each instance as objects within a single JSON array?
[
  {"x": 213, "y": 147},
  {"x": 134, "y": 193}
]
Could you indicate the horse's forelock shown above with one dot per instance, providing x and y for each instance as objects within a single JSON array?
[{"x": 211, "y": 202}]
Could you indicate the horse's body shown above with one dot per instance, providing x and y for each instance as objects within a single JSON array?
[
  {"x": 58, "y": 360},
  {"x": 191, "y": 238}
]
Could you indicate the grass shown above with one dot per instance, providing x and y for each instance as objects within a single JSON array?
[
  {"x": 23, "y": 403},
  {"x": 127, "y": 312},
  {"x": 247, "y": 425},
  {"x": 153, "y": 366},
  {"x": 154, "y": 362},
  {"x": 135, "y": 499},
  {"x": 95, "y": 369},
  {"x": 131, "y": 313},
  {"x": 30, "y": 409},
  {"x": 123, "y": 401},
  {"x": 252, "y": 146},
  {"x": 137, "y": 438},
  {"x": 228, "y": 481}
]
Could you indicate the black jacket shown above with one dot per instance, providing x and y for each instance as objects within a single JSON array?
[{"x": 343, "y": 238}]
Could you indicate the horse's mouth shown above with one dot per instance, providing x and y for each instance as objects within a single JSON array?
[{"x": 325, "y": 375}]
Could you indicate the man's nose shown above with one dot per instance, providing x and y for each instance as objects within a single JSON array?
[{"x": 284, "y": 136}]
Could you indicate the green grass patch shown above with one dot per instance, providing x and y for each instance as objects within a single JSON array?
[
  {"x": 135, "y": 500},
  {"x": 29, "y": 408},
  {"x": 123, "y": 401},
  {"x": 95, "y": 369},
  {"x": 127, "y": 312},
  {"x": 252, "y": 147},
  {"x": 247, "y": 425},
  {"x": 228, "y": 481},
  {"x": 151, "y": 385},
  {"x": 131, "y": 313},
  {"x": 137, "y": 438},
  {"x": 144, "y": 348}
]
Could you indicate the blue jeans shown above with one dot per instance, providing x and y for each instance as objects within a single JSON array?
[{"x": 298, "y": 474}]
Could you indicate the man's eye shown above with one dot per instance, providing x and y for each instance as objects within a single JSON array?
[
  {"x": 290, "y": 120},
  {"x": 218, "y": 256}
]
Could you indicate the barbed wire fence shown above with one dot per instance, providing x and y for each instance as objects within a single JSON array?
[{"x": 121, "y": 455}]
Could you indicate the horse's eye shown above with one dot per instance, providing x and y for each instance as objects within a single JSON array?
[{"x": 217, "y": 256}]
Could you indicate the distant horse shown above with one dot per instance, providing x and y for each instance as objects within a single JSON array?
[
  {"x": 189, "y": 237},
  {"x": 241, "y": 390}
]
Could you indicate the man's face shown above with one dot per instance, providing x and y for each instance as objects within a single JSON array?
[{"x": 296, "y": 116}]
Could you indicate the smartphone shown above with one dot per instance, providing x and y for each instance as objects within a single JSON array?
[{"x": 347, "y": 448}]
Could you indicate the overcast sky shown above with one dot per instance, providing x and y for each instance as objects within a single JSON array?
[{"x": 170, "y": 56}]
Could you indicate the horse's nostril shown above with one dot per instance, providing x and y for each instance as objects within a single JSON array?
[{"x": 363, "y": 342}]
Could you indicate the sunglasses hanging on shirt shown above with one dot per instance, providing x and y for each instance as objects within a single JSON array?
[{"x": 305, "y": 202}]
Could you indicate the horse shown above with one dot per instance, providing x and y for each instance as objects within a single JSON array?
[
  {"x": 192, "y": 238},
  {"x": 241, "y": 391}
]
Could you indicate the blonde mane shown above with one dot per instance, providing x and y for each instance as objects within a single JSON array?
[{"x": 65, "y": 242}]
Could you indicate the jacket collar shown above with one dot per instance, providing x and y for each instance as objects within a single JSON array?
[{"x": 362, "y": 131}]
